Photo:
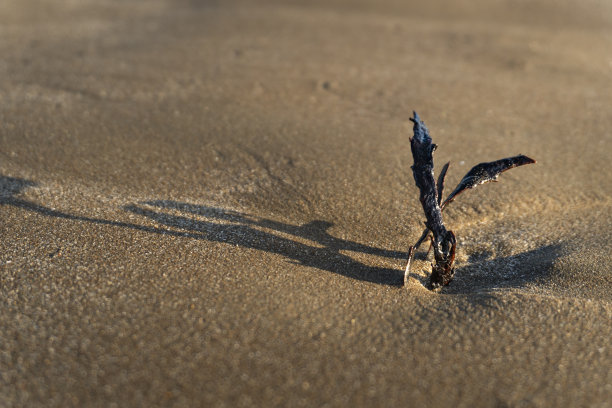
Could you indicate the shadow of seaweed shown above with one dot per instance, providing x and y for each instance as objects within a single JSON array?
[
  {"x": 514, "y": 271},
  {"x": 11, "y": 186},
  {"x": 240, "y": 229},
  {"x": 236, "y": 229},
  {"x": 225, "y": 226},
  {"x": 313, "y": 230}
]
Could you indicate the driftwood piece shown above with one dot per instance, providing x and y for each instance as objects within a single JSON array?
[{"x": 443, "y": 241}]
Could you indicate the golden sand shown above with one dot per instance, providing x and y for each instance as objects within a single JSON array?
[{"x": 211, "y": 203}]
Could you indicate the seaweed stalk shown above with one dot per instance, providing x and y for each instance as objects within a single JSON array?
[{"x": 443, "y": 240}]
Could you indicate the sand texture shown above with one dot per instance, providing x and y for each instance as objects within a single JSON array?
[{"x": 210, "y": 203}]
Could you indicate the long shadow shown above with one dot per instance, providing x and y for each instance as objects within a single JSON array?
[
  {"x": 238, "y": 229},
  {"x": 315, "y": 230},
  {"x": 241, "y": 233},
  {"x": 481, "y": 276},
  {"x": 10, "y": 186}
]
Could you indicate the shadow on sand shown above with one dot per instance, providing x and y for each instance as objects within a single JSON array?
[
  {"x": 237, "y": 229},
  {"x": 322, "y": 252},
  {"x": 240, "y": 229}
]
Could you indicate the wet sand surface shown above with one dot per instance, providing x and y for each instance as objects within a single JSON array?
[{"x": 210, "y": 203}]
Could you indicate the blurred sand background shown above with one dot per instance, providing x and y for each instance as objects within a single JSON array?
[{"x": 210, "y": 203}]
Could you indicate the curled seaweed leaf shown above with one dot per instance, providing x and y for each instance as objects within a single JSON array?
[
  {"x": 486, "y": 172},
  {"x": 440, "y": 183}
]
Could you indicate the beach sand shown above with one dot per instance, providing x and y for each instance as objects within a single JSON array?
[{"x": 211, "y": 203}]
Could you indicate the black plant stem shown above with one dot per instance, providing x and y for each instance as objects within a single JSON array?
[{"x": 443, "y": 240}]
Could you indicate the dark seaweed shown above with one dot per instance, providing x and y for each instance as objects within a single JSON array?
[
  {"x": 440, "y": 183},
  {"x": 443, "y": 240},
  {"x": 485, "y": 172}
]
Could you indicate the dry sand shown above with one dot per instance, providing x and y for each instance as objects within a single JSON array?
[{"x": 210, "y": 203}]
